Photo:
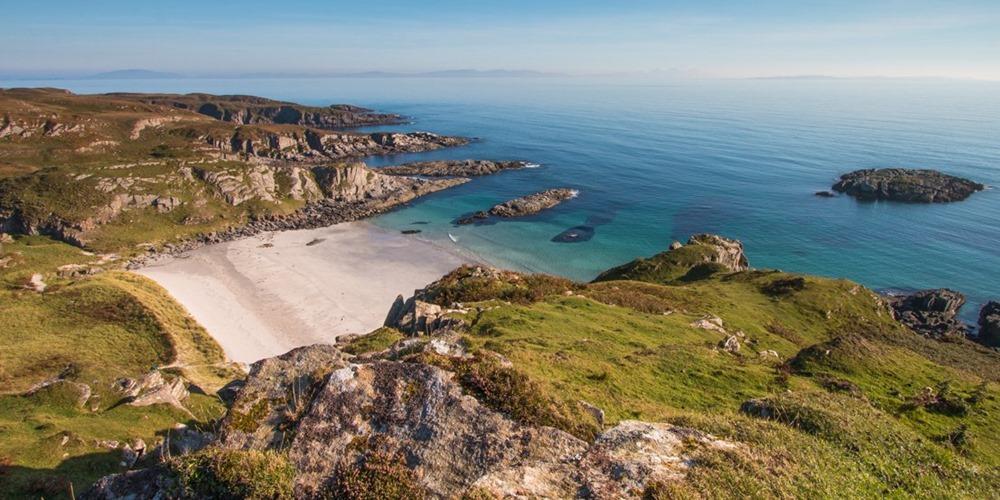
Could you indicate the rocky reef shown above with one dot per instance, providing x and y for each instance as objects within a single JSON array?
[
  {"x": 453, "y": 168},
  {"x": 906, "y": 185}
]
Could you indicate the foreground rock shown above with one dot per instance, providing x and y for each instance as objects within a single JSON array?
[
  {"x": 453, "y": 168},
  {"x": 989, "y": 324},
  {"x": 933, "y": 313},
  {"x": 413, "y": 424},
  {"x": 907, "y": 185}
]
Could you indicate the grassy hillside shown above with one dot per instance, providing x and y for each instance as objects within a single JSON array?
[
  {"x": 831, "y": 395},
  {"x": 89, "y": 330}
]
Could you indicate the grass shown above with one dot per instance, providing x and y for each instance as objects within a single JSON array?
[
  {"x": 376, "y": 341},
  {"x": 844, "y": 383},
  {"x": 90, "y": 330}
]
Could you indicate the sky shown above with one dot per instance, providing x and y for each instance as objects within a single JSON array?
[{"x": 708, "y": 38}]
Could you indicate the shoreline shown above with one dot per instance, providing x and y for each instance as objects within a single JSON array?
[{"x": 263, "y": 295}]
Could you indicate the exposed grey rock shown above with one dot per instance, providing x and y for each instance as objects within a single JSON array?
[
  {"x": 275, "y": 394},
  {"x": 908, "y": 185},
  {"x": 675, "y": 245},
  {"x": 989, "y": 324},
  {"x": 728, "y": 252},
  {"x": 153, "y": 389},
  {"x": 931, "y": 312},
  {"x": 453, "y": 168},
  {"x": 533, "y": 203},
  {"x": 143, "y": 484}
]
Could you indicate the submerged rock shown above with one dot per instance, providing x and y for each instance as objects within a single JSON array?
[
  {"x": 574, "y": 235},
  {"x": 472, "y": 218},
  {"x": 931, "y": 312},
  {"x": 825, "y": 194},
  {"x": 908, "y": 185}
]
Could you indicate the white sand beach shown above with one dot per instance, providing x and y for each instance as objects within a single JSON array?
[{"x": 262, "y": 296}]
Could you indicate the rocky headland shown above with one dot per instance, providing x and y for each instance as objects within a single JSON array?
[
  {"x": 906, "y": 185},
  {"x": 453, "y": 168}
]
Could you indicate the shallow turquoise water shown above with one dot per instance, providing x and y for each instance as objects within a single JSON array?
[{"x": 655, "y": 163}]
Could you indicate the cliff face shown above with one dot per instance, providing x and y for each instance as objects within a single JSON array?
[
  {"x": 106, "y": 199},
  {"x": 131, "y": 169}
]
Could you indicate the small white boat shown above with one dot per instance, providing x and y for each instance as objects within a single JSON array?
[{"x": 453, "y": 238}]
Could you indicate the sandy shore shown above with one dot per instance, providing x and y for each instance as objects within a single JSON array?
[{"x": 262, "y": 296}]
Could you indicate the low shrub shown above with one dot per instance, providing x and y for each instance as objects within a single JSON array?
[{"x": 217, "y": 474}]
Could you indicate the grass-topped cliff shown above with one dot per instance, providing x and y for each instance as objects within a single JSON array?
[{"x": 738, "y": 383}]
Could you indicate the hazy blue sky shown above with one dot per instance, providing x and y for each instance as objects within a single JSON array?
[{"x": 713, "y": 37}]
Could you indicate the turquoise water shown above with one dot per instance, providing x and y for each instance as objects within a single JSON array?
[{"x": 658, "y": 162}]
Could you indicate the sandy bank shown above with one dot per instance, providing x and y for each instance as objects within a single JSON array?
[{"x": 262, "y": 296}]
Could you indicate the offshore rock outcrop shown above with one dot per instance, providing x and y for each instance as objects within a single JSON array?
[
  {"x": 523, "y": 206},
  {"x": 906, "y": 185},
  {"x": 453, "y": 168},
  {"x": 533, "y": 203},
  {"x": 933, "y": 313}
]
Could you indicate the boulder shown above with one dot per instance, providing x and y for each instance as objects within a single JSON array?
[
  {"x": 989, "y": 324},
  {"x": 933, "y": 313},
  {"x": 275, "y": 395},
  {"x": 419, "y": 412},
  {"x": 728, "y": 252},
  {"x": 907, "y": 185}
]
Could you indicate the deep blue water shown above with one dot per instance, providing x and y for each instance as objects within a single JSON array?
[{"x": 659, "y": 162}]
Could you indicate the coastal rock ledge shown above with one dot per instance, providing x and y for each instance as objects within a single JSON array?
[
  {"x": 906, "y": 185},
  {"x": 533, "y": 203},
  {"x": 523, "y": 206}
]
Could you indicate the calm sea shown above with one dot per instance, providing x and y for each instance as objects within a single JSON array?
[{"x": 656, "y": 162}]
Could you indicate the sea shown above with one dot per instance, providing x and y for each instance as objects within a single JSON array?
[{"x": 658, "y": 161}]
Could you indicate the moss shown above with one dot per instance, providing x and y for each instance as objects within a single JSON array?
[
  {"x": 376, "y": 341},
  {"x": 250, "y": 421},
  {"x": 220, "y": 474}
]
